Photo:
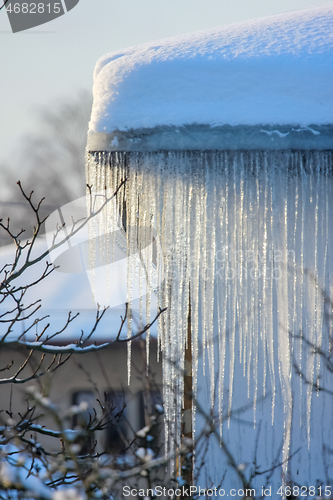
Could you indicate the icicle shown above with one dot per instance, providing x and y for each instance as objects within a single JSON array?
[
  {"x": 241, "y": 261},
  {"x": 269, "y": 306},
  {"x": 246, "y": 296},
  {"x": 243, "y": 248},
  {"x": 319, "y": 271},
  {"x": 233, "y": 282},
  {"x": 195, "y": 242},
  {"x": 265, "y": 277},
  {"x": 251, "y": 304},
  {"x": 209, "y": 277},
  {"x": 255, "y": 280},
  {"x": 221, "y": 293}
]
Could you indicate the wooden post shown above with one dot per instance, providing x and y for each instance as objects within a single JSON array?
[{"x": 187, "y": 472}]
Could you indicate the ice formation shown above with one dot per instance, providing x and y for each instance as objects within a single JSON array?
[
  {"x": 245, "y": 239},
  {"x": 244, "y": 233}
]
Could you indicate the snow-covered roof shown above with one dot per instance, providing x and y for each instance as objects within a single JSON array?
[{"x": 277, "y": 70}]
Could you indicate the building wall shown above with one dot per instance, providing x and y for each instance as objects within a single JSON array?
[{"x": 96, "y": 375}]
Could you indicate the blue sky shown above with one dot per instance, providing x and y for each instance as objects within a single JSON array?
[{"x": 41, "y": 66}]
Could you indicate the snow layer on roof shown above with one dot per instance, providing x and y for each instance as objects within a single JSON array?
[{"x": 274, "y": 70}]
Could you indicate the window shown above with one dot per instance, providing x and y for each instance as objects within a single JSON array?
[
  {"x": 117, "y": 426},
  {"x": 82, "y": 419}
]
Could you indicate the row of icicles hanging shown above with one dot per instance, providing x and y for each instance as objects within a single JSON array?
[{"x": 242, "y": 244}]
